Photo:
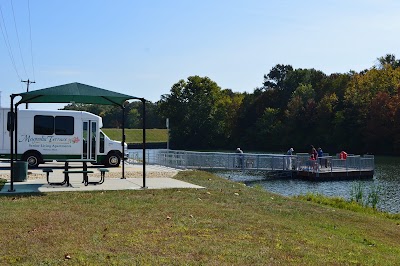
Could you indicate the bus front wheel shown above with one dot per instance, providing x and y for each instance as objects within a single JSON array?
[{"x": 112, "y": 160}]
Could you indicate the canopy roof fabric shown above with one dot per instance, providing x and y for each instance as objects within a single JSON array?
[{"x": 75, "y": 92}]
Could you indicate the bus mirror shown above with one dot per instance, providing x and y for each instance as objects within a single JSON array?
[{"x": 10, "y": 119}]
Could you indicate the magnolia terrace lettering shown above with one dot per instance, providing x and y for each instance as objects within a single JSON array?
[{"x": 48, "y": 139}]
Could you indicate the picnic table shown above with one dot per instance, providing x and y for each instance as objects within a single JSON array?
[{"x": 68, "y": 170}]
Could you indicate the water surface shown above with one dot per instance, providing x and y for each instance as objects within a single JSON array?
[{"x": 386, "y": 181}]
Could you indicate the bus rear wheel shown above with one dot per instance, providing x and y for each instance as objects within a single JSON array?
[{"x": 33, "y": 159}]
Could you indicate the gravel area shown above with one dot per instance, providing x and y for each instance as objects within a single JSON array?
[{"x": 128, "y": 174}]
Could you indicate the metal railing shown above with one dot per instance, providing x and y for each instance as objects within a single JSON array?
[
  {"x": 136, "y": 156},
  {"x": 334, "y": 163},
  {"x": 252, "y": 161},
  {"x": 219, "y": 160}
]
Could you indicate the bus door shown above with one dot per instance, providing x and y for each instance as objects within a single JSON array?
[{"x": 89, "y": 139}]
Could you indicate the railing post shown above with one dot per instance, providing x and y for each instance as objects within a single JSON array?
[
  {"x": 258, "y": 161},
  {"x": 273, "y": 163},
  {"x": 186, "y": 160},
  {"x": 284, "y": 164}
]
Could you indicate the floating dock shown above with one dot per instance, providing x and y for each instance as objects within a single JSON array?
[{"x": 337, "y": 174}]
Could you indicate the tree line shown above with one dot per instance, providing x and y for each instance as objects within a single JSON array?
[
  {"x": 112, "y": 115},
  {"x": 356, "y": 112}
]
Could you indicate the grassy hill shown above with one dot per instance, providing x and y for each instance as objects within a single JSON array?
[
  {"x": 136, "y": 135},
  {"x": 226, "y": 223}
]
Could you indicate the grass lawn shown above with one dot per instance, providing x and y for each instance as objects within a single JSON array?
[
  {"x": 225, "y": 224},
  {"x": 136, "y": 135}
]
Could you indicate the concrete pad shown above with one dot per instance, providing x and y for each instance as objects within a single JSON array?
[
  {"x": 157, "y": 177},
  {"x": 41, "y": 186}
]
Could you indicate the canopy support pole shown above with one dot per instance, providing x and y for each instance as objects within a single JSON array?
[
  {"x": 144, "y": 142},
  {"x": 12, "y": 143},
  {"x": 123, "y": 142},
  {"x": 16, "y": 131}
]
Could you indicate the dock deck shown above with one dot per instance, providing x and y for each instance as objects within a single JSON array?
[{"x": 336, "y": 174}]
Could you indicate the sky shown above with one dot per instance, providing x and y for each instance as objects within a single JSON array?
[{"x": 142, "y": 48}]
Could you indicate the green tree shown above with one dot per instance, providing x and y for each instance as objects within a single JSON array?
[
  {"x": 325, "y": 115},
  {"x": 191, "y": 107},
  {"x": 301, "y": 118},
  {"x": 276, "y": 77},
  {"x": 153, "y": 117},
  {"x": 133, "y": 119},
  {"x": 382, "y": 130},
  {"x": 269, "y": 130},
  {"x": 112, "y": 118},
  {"x": 388, "y": 59},
  {"x": 358, "y": 101},
  {"x": 226, "y": 117}
]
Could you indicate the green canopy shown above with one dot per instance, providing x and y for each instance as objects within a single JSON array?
[{"x": 75, "y": 92}]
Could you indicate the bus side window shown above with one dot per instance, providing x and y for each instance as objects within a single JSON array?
[
  {"x": 64, "y": 125},
  {"x": 43, "y": 125}
]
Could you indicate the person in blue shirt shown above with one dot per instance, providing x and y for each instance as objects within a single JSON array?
[
  {"x": 320, "y": 155},
  {"x": 320, "y": 152}
]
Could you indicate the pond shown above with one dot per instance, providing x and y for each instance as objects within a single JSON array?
[{"x": 386, "y": 183}]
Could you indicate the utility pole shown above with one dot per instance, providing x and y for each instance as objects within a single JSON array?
[
  {"x": 167, "y": 125},
  {"x": 27, "y": 87}
]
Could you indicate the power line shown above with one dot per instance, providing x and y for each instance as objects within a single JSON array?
[
  {"x": 27, "y": 88},
  {"x": 30, "y": 37},
  {"x": 7, "y": 43},
  {"x": 19, "y": 43}
]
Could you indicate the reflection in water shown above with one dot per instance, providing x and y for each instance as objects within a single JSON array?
[{"x": 386, "y": 178}]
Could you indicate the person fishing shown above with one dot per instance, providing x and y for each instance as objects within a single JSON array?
[{"x": 239, "y": 158}]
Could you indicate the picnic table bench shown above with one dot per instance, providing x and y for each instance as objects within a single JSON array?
[
  {"x": 84, "y": 172},
  {"x": 103, "y": 172},
  {"x": 48, "y": 171}
]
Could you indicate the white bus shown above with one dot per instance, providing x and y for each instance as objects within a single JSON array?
[{"x": 45, "y": 135}]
